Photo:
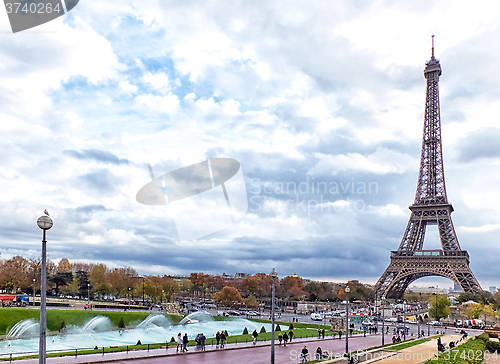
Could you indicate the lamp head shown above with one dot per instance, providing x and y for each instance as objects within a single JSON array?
[
  {"x": 273, "y": 273},
  {"x": 44, "y": 222},
  {"x": 347, "y": 289}
]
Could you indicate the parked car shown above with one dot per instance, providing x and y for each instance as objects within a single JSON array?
[
  {"x": 434, "y": 323},
  {"x": 316, "y": 317}
]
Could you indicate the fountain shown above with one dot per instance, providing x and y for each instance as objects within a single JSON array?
[
  {"x": 198, "y": 316},
  {"x": 154, "y": 329},
  {"x": 98, "y": 323},
  {"x": 154, "y": 320},
  {"x": 24, "y": 328}
]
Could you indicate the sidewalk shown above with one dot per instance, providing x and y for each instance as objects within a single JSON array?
[
  {"x": 251, "y": 352},
  {"x": 418, "y": 353}
]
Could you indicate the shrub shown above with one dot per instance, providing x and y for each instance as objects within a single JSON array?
[
  {"x": 245, "y": 331},
  {"x": 493, "y": 346},
  {"x": 121, "y": 324},
  {"x": 278, "y": 328},
  {"x": 262, "y": 330},
  {"x": 290, "y": 327},
  {"x": 172, "y": 340}
]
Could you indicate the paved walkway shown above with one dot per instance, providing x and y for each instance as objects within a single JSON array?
[
  {"x": 418, "y": 353},
  {"x": 231, "y": 354}
]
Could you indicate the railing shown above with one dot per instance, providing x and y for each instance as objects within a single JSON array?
[
  {"x": 126, "y": 348},
  {"x": 430, "y": 253}
]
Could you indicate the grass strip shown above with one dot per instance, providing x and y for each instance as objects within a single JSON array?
[{"x": 407, "y": 345}]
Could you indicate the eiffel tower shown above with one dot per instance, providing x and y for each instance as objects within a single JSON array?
[{"x": 410, "y": 262}]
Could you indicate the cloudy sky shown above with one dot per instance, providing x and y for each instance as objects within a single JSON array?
[{"x": 303, "y": 94}]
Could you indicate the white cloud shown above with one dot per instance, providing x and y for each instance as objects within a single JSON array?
[
  {"x": 158, "y": 104},
  {"x": 382, "y": 161},
  {"x": 158, "y": 81}
]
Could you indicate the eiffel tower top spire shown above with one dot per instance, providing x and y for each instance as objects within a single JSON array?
[
  {"x": 432, "y": 55},
  {"x": 431, "y": 186}
]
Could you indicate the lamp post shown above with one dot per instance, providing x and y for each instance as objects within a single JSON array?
[
  {"x": 404, "y": 320},
  {"x": 44, "y": 223},
  {"x": 129, "y": 298},
  {"x": 34, "y": 288},
  {"x": 347, "y": 290},
  {"x": 273, "y": 275},
  {"x": 383, "y": 320},
  {"x": 88, "y": 295},
  {"x": 418, "y": 326},
  {"x": 437, "y": 318}
]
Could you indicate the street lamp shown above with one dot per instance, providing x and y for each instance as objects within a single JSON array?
[
  {"x": 88, "y": 295},
  {"x": 129, "y": 298},
  {"x": 404, "y": 320},
  {"x": 44, "y": 223},
  {"x": 383, "y": 319},
  {"x": 347, "y": 290},
  {"x": 34, "y": 280},
  {"x": 273, "y": 275}
]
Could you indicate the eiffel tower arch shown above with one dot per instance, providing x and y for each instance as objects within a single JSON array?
[{"x": 430, "y": 207}]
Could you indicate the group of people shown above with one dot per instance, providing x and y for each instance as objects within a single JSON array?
[
  {"x": 321, "y": 333},
  {"x": 305, "y": 357},
  {"x": 200, "y": 341},
  {"x": 220, "y": 339},
  {"x": 182, "y": 342},
  {"x": 285, "y": 337}
]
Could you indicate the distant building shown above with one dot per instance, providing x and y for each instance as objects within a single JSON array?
[{"x": 493, "y": 289}]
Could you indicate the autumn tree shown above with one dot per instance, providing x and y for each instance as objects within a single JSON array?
[
  {"x": 170, "y": 287},
  {"x": 227, "y": 296},
  {"x": 439, "y": 307}
]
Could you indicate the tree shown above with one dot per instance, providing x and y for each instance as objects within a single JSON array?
[
  {"x": 61, "y": 279},
  {"x": 64, "y": 266},
  {"x": 251, "y": 301},
  {"x": 442, "y": 309},
  {"x": 170, "y": 287},
  {"x": 83, "y": 283},
  {"x": 227, "y": 296},
  {"x": 473, "y": 310}
]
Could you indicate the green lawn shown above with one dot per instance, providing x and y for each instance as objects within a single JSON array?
[{"x": 407, "y": 345}]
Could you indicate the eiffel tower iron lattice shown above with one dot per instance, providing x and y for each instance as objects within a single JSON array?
[{"x": 410, "y": 262}]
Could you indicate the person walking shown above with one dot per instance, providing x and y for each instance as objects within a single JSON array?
[
  {"x": 185, "y": 341},
  {"x": 222, "y": 339},
  {"x": 255, "y": 335},
  {"x": 217, "y": 339},
  {"x": 290, "y": 335},
  {"x": 280, "y": 338},
  {"x": 304, "y": 355},
  {"x": 179, "y": 342},
  {"x": 285, "y": 338},
  {"x": 203, "y": 339}
]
